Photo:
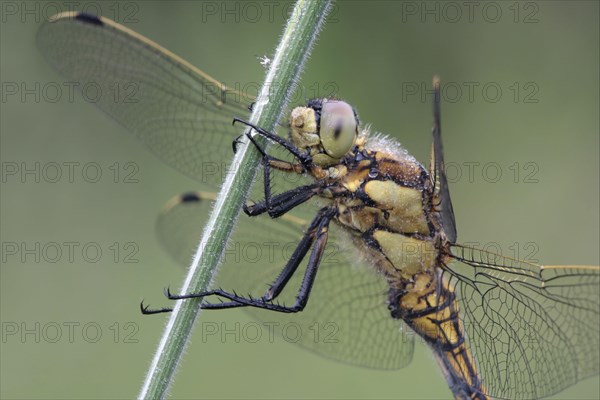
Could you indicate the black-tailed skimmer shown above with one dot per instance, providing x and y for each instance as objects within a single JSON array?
[{"x": 379, "y": 255}]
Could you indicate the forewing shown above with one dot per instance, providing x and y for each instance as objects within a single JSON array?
[
  {"x": 534, "y": 330},
  {"x": 182, "y": 114},
  {"x": 439, "y": 173},
  {"x": 346, "y": 318}
]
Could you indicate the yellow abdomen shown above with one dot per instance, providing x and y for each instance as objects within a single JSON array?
[{"x": 430, "y": 308}]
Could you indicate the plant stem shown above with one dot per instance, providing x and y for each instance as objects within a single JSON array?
[{"x": 299, "y": 35}]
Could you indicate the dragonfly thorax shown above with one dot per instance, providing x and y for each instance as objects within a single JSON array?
[{"x": 327, "y": 129}]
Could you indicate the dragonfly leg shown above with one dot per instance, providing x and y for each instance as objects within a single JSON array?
[
  {"x": 147, "y": 311},
  {"x": 280, "y": 204},
  {"x": 312, "y": 236},
  {"x": 273, "y": 162},
  {"x": 316, "y": 236},
  {"x": 236, "y": 142},
  {"x": 304, "y": 158}
]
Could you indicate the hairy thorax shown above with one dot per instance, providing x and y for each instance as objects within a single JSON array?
[{"x": 385, "y": 199}]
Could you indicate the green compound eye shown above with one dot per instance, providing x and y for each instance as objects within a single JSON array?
[{"x": 338, "y": 128}]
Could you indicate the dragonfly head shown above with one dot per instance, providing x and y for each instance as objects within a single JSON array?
[{"x": 328, "y": 129}]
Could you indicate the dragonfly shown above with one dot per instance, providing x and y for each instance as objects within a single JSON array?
[{"x": 372, "y": 229}]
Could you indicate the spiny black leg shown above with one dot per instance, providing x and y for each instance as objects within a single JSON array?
[
  {"x": 255, "y": 143},
  {"x": 236, "y": 142},
  {"x": 273, "y": 162},
  {"x": 268, "y": 162},
  {"x": 292, "y": 265},
  {"x": 267, "y": 183},
  {"x": 313, "y": 265},
  {"x": 280, "y": 164},
  {"x": 146, "y": 311},
  {"x": 285, "y": 275},
  {"x": 318, "y": 235},
  {"x": 221, "y": 306},
  {"x": 266, "y": 172},
  {"x": 304, "y": 158},
  {"x": 319, "y": 223},
  {"x": 205, "y": 306},
  {"x": 294, "y": 261},
  {"x": 283, "y": 202}
]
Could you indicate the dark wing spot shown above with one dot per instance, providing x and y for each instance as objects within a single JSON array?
[
  {"x": 89, "y": 18},
  {"x": 190, "y": 197}
]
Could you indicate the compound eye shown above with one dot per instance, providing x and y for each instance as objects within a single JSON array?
[{"x": 338, "y": 128}]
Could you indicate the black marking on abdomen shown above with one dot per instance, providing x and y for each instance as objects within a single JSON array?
[
  {"x": 460, "y": 385},
  {"x": 412, "y": 315}
]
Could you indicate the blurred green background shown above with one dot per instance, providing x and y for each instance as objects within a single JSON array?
[{"x": 542, "y": 55}]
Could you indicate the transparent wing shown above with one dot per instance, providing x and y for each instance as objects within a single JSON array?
[
  {"x": 438, "y": 170},
  {"x": 534, "y": 330},
  {"x": 182, "y": 114},
  {"x": 346, "y": 318}
]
